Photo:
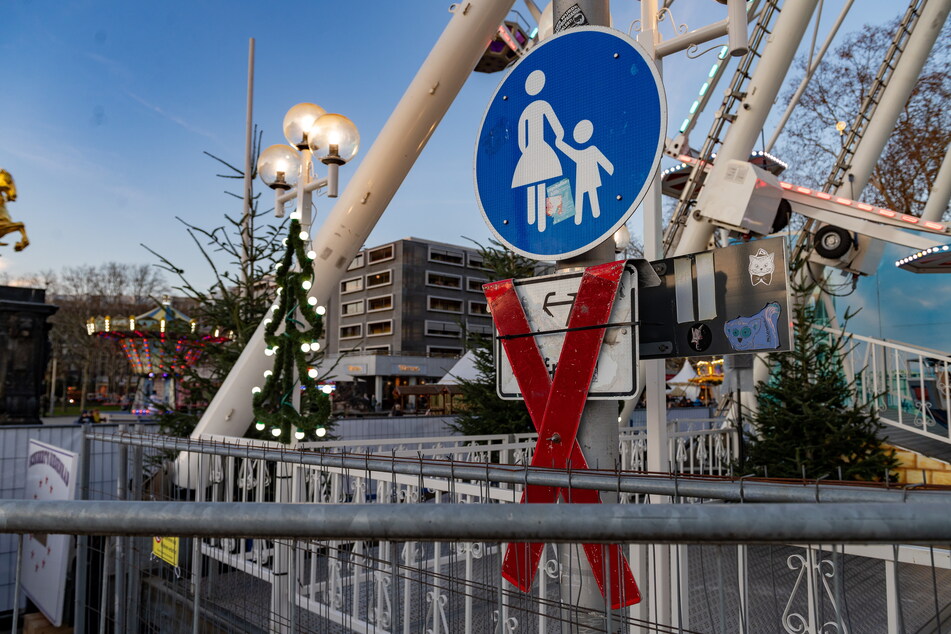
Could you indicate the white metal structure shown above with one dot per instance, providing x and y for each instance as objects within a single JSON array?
[{"x": 432, "y": 91}]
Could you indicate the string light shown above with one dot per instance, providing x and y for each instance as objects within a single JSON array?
[
  {"x": 259, "y": 426},
  {"x": 321, "y": 432},
  {"x": 268, "y": 373},
  {"x": 255, "y": 390},
  {"x": 311, "y": 255},
  {"x": 306, "y": 285},
  {"x": 312, "y": 301},
  {"x": 303, "y": 235},
  {"x": 299, "y": 434},
  {"x": 312, "y": 373},
  {"x": 268, "y": 352},
  {"x": 275, "y": 431},
  {"x": 315, "y": 346},
  {"x": 321, "y": 310},
  {"x": 305, "y": 347}
]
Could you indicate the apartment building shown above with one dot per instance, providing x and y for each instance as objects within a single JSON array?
[{"x": 399, "y": 317}]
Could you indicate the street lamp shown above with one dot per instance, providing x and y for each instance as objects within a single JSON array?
[
  {"x": 311, "y": 132},
  {"x": 288, "y": 170}
]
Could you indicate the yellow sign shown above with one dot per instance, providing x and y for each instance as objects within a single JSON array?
[
  {"x": 409, "y": 368},
  {"x": 166, "y": 549}
]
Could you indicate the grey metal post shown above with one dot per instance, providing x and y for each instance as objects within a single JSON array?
[
  {"x": 395, "y": 549},
  {"x": 281, "y": 588},
  {"x": 598, "y": 431},
  {"x": 122, "y": 489},
  {"x": 247, "y": 230},
  {"x": 134, "y": 577},
  {"x": 82, "y": 542},
  {"x": 16, "y": 586},
  {"x": 104, "y": 587},
  {"x": 196, "y": 550}
]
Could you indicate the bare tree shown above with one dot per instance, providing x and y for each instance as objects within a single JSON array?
[{"x": 906, "y": 172}]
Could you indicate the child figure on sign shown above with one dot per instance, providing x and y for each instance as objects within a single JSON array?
[{"x": 589, "y": 162}]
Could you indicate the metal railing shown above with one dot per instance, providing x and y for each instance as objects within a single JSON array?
[
  {"x": 411, "y": 537},
  {"x": 907, "y": 385}
]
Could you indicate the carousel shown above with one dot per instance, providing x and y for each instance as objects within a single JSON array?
[
  {"x": 709, "y": 376},
  {"x": 161, "y": 345}
]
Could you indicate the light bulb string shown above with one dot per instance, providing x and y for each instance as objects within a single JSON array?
[{"x": 301, "y": 324}]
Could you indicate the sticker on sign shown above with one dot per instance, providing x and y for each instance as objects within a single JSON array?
[{"x": 548, "y": 302}]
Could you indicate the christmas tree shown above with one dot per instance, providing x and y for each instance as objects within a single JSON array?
[
  {"x": 291, "y": 336},
  {"x": 808, "y": 423}
]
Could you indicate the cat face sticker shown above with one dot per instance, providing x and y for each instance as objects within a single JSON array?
[
  {"x": 762, "y": 267},
  {"x": 757, "y": 332}
]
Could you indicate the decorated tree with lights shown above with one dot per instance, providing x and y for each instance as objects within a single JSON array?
[{"x": 291, "y": 337}]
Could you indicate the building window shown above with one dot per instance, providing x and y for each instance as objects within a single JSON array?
[
  {"x": 352, "y": 285},
  {"x": 353, "y": 331},
  {"x": 443, "y": 280},
  {"x": 445, "y": 305},
  {"x": 382, "y": 278},
  {"x": 351, "y": 308},
  {"x": 383, "y": 302},
  {"x": 443, "y": 351},
  {"x": 379, "y": 328},
  {"x": 446, "y": 256},
  {"x": 478, "y": 308},
  {"x": 443, "y": 329},
  {"x": 479, "y": 329},
  {"x": 357, "y": 262},
  {"x": 476, "y": 261},
  {"x": 474, "y": 284},
  {"x": 378, "y": 349},
  {"x": 380, "y": 255}
]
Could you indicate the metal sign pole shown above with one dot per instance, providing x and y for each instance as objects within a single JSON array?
[{"x": 598, "y": 433}]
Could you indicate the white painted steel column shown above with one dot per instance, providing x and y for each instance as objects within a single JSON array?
[
  {"x": 366, "y": 196},
  {"x": 938, "y": 198},
  {"x": 655, "y": 588},
  {"x": 761, "y": 93}
]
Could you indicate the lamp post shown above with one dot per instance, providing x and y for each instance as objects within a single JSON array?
[{"x": 294, "y": 325}]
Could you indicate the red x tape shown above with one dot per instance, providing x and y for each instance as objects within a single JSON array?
[{"x": 555, "y": 406}]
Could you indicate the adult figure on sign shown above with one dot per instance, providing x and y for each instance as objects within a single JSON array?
[
  {"x": 538, "y": 162},
  {"x": 589, "y": 161}
]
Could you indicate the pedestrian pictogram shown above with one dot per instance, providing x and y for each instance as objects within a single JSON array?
[
  {"x": 555, "y": 404},
  {"x": 569, "y": 143}
]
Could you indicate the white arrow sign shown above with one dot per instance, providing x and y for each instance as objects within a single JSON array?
[{"x": 548, "y": 301}]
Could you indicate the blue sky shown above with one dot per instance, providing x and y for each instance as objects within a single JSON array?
[{"x": 109, "y": 105}]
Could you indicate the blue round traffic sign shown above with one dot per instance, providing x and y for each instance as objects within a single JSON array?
[{"x": 570, "y": 143}]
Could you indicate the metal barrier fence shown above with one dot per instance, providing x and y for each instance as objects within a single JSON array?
[
  {"x": 14, "y": 446},
  {"x": 409, "y": 538}
]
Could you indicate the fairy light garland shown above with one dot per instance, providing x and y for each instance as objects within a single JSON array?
[{"x": 291, "y": 350}]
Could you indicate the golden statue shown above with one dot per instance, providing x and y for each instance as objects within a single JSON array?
[{"x": 8, "y": 192}]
